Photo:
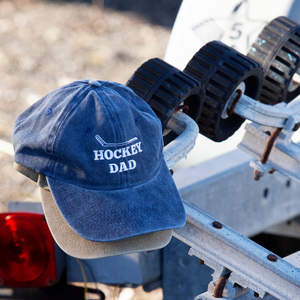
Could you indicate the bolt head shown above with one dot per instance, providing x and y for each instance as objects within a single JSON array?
[
  {"x": 217, "y": 225},
  {"x": 272, "y": 257}
]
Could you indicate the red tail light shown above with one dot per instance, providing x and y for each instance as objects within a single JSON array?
[{"x": 27, "y": 251}]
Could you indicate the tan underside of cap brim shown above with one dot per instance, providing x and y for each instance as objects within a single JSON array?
[{"x": 77, "y": 246}]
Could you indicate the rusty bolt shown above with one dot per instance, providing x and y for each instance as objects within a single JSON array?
[
  {"x": 220, "y": 285},
  {"x": 272, "y": 171},
  {"x": 257, "y": 175},
  {"x": 269, "y": 146},
  {"x": 185, "y": 108},
  {"x": 172, "y": 172},
  {"x": 272, "y": 257},
  {"x": 217, "y": 225},
  {"x": 201, "y": 261},
  {"x": 296, "y": 127}
]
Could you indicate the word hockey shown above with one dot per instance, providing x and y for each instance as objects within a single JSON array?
[{"x": 119, "y": 153}]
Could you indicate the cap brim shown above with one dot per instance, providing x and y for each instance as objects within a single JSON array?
[
  {"x": 104, "y": 216},
  {"x": 77, "y": 246}
]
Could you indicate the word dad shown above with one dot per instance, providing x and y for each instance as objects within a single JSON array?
[{"x": 109, "y": 154}]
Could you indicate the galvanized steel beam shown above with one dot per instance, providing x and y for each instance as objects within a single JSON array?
[{"x": 225, "y": 250}]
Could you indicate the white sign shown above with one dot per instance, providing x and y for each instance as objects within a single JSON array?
[{"x": 236, "y": 23}]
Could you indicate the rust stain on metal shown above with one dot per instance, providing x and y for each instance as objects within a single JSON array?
[
  {"x": 219, "y": 288},
  {"x": 257, "y": 175},
  {"x": 185, "y": 108},
  {"x": 172, "y": 172},
  {"x": 235, "y": 101},
  {"x": 201, "y": 262},
  {"x": 265, "y": 156},
  {"x": 270, "y": 144}
]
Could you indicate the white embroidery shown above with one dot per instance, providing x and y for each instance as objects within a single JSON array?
[
  {"x": 118, "y": 153},
  {"x": 114, "y": 168},
  {"x": 104, "y": 144}
]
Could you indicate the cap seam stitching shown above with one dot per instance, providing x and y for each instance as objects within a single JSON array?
[
  {"x": 107, "y": 100},
  {"x": 61, "y": 122}
]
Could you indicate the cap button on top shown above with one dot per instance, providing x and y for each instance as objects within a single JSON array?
[{"x": 94, "y": 83}]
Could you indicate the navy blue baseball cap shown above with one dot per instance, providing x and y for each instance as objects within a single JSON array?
[{"x": 100, "y": 147}]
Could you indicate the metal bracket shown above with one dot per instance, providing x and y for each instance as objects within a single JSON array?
[
  {"x": 241, "y": 266},
  {"x": 187, "y": 130},
  {"x": 273, "y": 116},
  {"x": 284, "y": 157},
  {"x": 225, "y": 250},
  {"x": 280, "y": 122}
]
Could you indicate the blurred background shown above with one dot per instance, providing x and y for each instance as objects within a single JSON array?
[{"x": 46, "y": 44}]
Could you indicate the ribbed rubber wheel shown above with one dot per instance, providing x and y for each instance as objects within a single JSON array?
[
  {"x": 277, "y": 49},
  {"x": 164, "y": 88},
  {"x": 221, "y": 69}
]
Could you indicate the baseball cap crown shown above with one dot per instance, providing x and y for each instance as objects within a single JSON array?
[
  {"x": 101, "y": 149},
  {"x": 91, "y": 137}
]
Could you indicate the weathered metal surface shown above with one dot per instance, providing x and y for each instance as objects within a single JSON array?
[
  {"x": 225, "y": 250},
  {"x": 284, "y": 156},
  {"x": 188, "y": 130},
  {"x": 263, "y": 114},
  {"x": 288, "y": 229},
  {"x": 224, "y": 188}
]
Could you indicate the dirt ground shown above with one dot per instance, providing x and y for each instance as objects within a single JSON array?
[{"x": 47, "y": 44}]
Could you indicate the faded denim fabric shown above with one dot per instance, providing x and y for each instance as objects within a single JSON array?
[{"x": 100, "y": 147}]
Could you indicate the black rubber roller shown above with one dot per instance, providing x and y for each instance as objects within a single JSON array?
[
  {"x": 222, "y": 69},
  {"x": 164, "y": 88},
  {"x": 277, "y": 49}
]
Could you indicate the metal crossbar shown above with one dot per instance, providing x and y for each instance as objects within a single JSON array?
[
  {"x": 187, "y": 131},
  {"x": 225, "y": 250},
  {"x": 245, "y": 264}
]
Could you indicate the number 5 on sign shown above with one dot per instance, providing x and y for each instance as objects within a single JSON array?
[
  {"x": 234, "y": 22},
  {"x": 236, "y": 31}
]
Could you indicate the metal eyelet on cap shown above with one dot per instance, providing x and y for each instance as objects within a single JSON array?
[{"x": 94, "y": 83}]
